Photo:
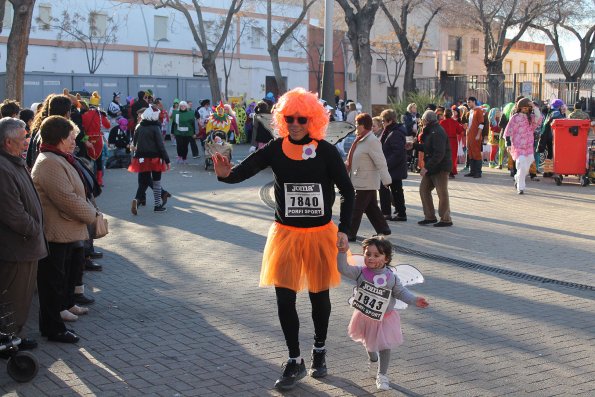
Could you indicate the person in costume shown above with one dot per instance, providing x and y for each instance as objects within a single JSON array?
[
  {"x": 93, "y": 120},
  {"x": 475, "y": 138},
  {"x": 219, "y": 120},
  {"x": 520, "y": 135},
  {"x": 453, "y": 130},
  {"x": 378, "y": 336},
  {"x": 546, "y": 139},
  {"x": 241, "y": 118},
  {"x": 494, "y": 134},
  {"x": 504, "y": 117},
  {"x": 150, "y": 158},
  {"x": 303, "y": 242},
  {"x": 233, "y": 136},
  {"x": 114, "y": 110}
]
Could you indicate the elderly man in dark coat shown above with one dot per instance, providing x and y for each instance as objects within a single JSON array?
[
  {"x": 22, "y": 242},
  {"x": 437, "y": 166}
]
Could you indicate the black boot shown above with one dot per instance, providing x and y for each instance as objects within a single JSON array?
[
  {"x": 478, "y": 164},
  {"x": 318, "y": 365},
  {"x": 471, "y": 169},
  {"x": 292, "y": 372}
]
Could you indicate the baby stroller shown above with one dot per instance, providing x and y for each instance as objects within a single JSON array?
[
  {"x": 216, "y": 142},
  {"x": 22, "y": 366}
]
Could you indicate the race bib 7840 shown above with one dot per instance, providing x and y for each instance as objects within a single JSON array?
[{"x": 303, "y": 200}]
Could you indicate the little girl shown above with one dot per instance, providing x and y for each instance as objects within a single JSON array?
[{"x": 375, "y": 323}]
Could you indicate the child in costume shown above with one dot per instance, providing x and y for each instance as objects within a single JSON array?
[{"x": 375, "y": 322}]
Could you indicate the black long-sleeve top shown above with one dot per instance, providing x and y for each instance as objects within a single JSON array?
[{"x": 325, "y": 170}]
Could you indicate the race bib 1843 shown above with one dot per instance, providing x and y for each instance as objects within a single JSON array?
[
  {"x": 303, "y": 200},
  {"x": 370, "y": 300}
]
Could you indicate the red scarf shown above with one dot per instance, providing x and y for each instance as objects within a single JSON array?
[
  {"x": 44, "y": 147},
  {"x": 352, "y": 149}
]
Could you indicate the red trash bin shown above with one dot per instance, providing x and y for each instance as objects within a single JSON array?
[{"x": 570, "y": 147}]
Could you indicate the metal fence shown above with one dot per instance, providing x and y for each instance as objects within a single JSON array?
[
  {"x": 531, "y": 85},
  {"x": 38, "y": 85}
]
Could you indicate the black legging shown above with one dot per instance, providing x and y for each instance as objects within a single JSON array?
[
  {"x": 290, "y": 323},
  {"x": 393, "y": 196},
  {"x": 145, "y": 180}
]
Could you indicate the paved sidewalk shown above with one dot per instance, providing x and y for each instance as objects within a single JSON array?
[{"x": 179, "y": 311}]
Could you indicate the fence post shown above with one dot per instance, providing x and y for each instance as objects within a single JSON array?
[
  {"x": 540, "y": 86},
  {"x": 514, "y": 94}
]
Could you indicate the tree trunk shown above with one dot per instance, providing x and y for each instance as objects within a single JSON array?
[
  {"x": 274, "y": 53},
  {"x": 16, "y": 48},
  {"x": 408, "y": 79},
  {"x": 211, "y": 68},
  {"x": 363, "y": 69},
  {"x": 495, "y": 83}
]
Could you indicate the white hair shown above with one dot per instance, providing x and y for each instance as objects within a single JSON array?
[{"x": 10, "y": 128}]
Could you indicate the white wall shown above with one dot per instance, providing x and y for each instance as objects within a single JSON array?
[{"x": 247, "y": 78}]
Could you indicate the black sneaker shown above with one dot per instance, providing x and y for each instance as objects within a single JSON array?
[
  {"x": 318, "y": 365},
  {"x": 159, "y": 208},
  {"x": 82, "y": 299},
  {"x": 291, "y": 374},
  {"x": 427, "y": 222}
]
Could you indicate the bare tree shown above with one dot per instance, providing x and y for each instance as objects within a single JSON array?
[
  {"x": 199, "y": 33},
  {"x": 93, "y": 31},
  {"x": 411, "y": 43},
  {"x": 575, "y": 19},
  {"x": 360, "y": 18},
  {"x": 16, "y": 46},
  {"x": 314, "y": 51},
  {"x": 496, "y": 19},
  {"x": 283, "y": 33},
  {"x": 232, "y": 43},
  {"x": 389, "y": 51}
]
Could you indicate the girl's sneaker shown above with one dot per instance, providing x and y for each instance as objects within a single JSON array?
[{"x": 382, "y": 382}]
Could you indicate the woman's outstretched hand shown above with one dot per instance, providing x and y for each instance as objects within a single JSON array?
[{"x": 222, "y": 165}]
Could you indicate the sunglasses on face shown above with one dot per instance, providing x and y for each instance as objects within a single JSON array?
[{"x": 292, "y": 119}]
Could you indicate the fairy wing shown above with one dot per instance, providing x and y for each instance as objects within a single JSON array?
[{"x": 409, "y": 275}]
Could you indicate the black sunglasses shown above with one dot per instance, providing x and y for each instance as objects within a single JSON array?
[{"x": 300, "y": 120}]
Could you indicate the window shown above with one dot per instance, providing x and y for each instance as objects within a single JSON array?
[
  {"x": 455, "y": 47},
  {"x": 160, "y": 28},
  {"x": 256, "y": 37},
  {"x": 380, "y": 65},
  {"x": 536, "y": 67},
  {"x": 7, "y": 23},
  {"x": 523, "y": 67},
  {"x": 419, "y": 69},
  {"x": 288, "y": 44},
  {"x": 45, "y": 16},
  {"x": 97, "y": 24},
  {"x": 475, "y": 45},
  {"x": 507, "y": 67}
]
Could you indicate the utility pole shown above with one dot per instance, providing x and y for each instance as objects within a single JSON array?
[{"x": 328, "y": 73}]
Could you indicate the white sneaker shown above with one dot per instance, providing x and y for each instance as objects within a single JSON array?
[
  {"x": 382, "y": 382},
  {"x": 78, "y": 310},
  {"x": 68, "y": 316}
]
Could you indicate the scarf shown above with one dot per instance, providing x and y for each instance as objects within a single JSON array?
[
  {"x": 352, "y": 149},
  {"x": 44, "y": 148}
]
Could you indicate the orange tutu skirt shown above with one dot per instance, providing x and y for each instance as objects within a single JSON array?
[
  {"x": 155, "y": 164},
  {"x": 297, "y": 258}
]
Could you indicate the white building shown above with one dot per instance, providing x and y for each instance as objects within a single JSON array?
[{"x": 142, "y": 30}]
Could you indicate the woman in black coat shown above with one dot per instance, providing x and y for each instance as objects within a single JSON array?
[{"x": 393, "y": 146}]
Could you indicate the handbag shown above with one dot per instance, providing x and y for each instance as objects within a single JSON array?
[{"x": 100, "y": 227}]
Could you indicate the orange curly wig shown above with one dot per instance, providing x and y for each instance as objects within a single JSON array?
[{"x": 299, "y": 102}]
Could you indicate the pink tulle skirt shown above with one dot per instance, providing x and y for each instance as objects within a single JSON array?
[{"x": 376, "y": 335}]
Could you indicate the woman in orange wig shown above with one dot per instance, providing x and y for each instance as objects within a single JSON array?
[{"x": 302, "y": 245}]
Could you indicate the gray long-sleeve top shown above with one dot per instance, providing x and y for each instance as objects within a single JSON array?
[{"x": 355, "y": 273}]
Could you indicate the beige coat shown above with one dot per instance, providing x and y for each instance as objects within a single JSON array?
[
  {"x": 368, "y": 165},
  {"x": 62, "y": 194}
]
